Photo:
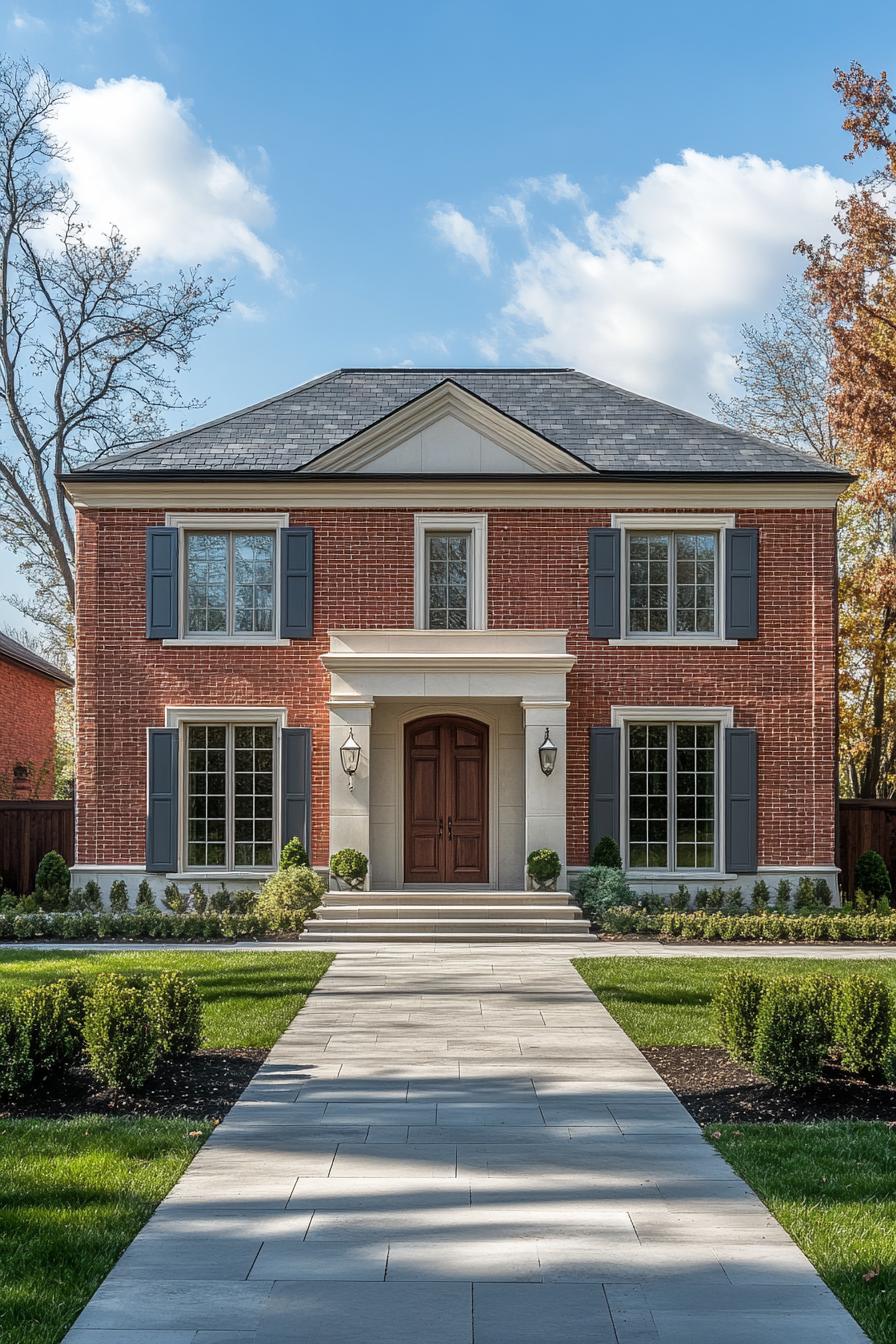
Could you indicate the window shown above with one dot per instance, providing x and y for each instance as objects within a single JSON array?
[
  {"x": 672, "y": 795},
  {"x": 229, "y": 583},
  {"x": 672, "y": 583},
  {"x": 230, "y": 818},
  {"x": 450, "y": 578}
]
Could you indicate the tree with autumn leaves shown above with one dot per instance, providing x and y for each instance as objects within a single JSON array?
[{"x": 820, "y": 375}]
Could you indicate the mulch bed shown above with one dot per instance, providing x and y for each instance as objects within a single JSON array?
[
  {"x": 716, "y": 1090},
  {"x": 202, "y": 1086}
]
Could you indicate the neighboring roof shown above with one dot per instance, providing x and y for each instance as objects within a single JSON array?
[
  {"x": 613, "y": 431},
  {"x": 14, "y": 652}
]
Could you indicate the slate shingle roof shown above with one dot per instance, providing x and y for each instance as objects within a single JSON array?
[
  {"x": 608, "y": 428},
  {"x": 15, "y": 652}
]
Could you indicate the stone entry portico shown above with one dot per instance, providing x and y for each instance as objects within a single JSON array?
[{"x": 514, "y": 681}]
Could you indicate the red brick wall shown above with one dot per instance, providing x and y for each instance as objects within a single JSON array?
[
  {"x": 27, "y": 719},
  {"x": 783, "y": 683}
]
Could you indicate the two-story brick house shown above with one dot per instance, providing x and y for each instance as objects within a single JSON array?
[{"x": 426, "y": 573}]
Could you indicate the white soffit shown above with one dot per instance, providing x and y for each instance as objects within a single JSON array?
[{"x": 447, "y": 431}]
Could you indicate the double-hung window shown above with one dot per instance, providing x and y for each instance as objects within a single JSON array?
[
  {"x": 673, "y": 586},
  {"x": 450, "y": 577},
  {"x": 230, "y": 795},
  {"x": 229, "y": 580},
  {"x": 672, "y": 795}
]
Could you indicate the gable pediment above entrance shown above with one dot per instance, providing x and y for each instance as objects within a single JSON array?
[{"x": 448, "y": 431}]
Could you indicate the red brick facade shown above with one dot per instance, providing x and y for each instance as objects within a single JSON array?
[
  {"x": 27, "y": 724},
  {"x": 783, "y": 683}
]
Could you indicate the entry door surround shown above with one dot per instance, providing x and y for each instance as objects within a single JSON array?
[{"x": 446, "y": 779}]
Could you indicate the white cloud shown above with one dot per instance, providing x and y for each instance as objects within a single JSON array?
[
  {"x": 462, "y": 235},
  {"x": 138, "y": 7},
  {"x": 23, "y": 22},
  {"x": 653, "y": 295},
  {"x": 136, "y": 161},
  {"x": 246, "y": 312}
]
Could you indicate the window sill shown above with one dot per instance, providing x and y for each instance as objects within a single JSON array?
[
  {"x": 237, "y": 642},
  {"x": 219, "y": 875},
  {"x": 693, "y": 875},
  {"x": 673, "y": 642}
]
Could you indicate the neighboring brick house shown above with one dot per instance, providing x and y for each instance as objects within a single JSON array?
[
  {"x": 442, "y": 568},
  {"x": 28, "y": 686}
]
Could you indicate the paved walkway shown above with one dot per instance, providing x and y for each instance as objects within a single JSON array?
[{"x": 460, "y": 1148}]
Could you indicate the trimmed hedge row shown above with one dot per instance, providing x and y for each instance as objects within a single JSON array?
[
  {"x": 703, "y": 926},
  {"x": 124, "y": 1027},
  {"x": 139, "y": 926},
  {"x": 787, "y": 1028}
]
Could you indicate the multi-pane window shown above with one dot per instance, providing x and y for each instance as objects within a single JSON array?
[
  {"x": 229, "y": 583},
  {"x": 230, "y": 795},
  {"x": 672, "y": 795},
  {"x": 672, "y": 583},
  {"x": 448, "y": 580}
]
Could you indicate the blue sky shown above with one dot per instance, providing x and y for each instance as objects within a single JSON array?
[{"x": 616, "y": 187}]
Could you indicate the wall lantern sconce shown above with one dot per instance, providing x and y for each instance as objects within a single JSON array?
[
  {"x": 350, "y": 755},
  {"x": 547, "y": 754}
]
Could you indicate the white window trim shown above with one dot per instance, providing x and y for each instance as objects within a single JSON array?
[
  {"x": 673, "y": 522},
  {"x": 476, "y": 524},
  {"x": 180, "y": 717},
  {"x": 723, "y": 717},
  {"x": 225, "y": 522}
]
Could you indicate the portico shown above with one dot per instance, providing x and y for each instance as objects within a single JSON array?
[{"x": 512, "y": 683}]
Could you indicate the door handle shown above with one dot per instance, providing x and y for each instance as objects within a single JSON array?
[
  {"x": 449, "y": 828},
  {"x": 440, "y": 828}
]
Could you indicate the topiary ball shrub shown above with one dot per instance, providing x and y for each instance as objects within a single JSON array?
[
  {"x": 118, "y": 897},
  {"x": 294, "y": 854},
  {"x": 606, "y": 854},
  {"x": 862, "y": 1025},
  {"x": 350, "y": 866},
  {"x": 120, "y": 1033},
  {"x": 543, "y": 867},
  {"x": 15, "y": 1059},
  {"x": 51, "y": 1018},
  {"x": 288, "y": 897},
  {"x": 177, "y": 1005},
  {"x": 872, "y": 877},
  {"x": 53, "y": 882},
  {"x": 790, "y": 1044},
  {"x": 736, "y": 1006}
]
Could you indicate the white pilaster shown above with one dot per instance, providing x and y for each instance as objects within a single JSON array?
[
  {"x": 350, "y": 808},
  {"x": 545, "y": 802}
]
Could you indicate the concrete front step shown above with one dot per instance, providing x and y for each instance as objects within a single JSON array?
[
  {"x": 449, "y": 896},
  {"x": 432, "y": 912},
  {"x": 496, "y": 927},
  {"x": 447, "y": 915},
  {"x": 350, "y": 934}
]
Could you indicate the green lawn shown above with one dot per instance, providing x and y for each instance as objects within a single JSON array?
[
  {"x": 74, "y": 1193},
  {"x": 250, "y": 997},
  {"x": 833, "y": 1186},
  {"x": 668, "y": 1000}
]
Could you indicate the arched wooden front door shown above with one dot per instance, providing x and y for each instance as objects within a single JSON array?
[{"x": 445, "y": 800}]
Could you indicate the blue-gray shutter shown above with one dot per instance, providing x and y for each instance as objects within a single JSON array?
[
  {"x": 741, "y": 841},
  {"x": 161, "y": 583},
  {"x": 161, "y": 804},
  {"x": 295, "y": 786},
  {"x": 296, "y": 582},
  {"x": 604, "y": 563},
  {"x": 604, "y": 785},
  {"x": 742, "y": 583}
]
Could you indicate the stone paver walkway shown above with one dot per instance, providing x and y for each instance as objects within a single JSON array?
[{"x": 460, "y": 1148}]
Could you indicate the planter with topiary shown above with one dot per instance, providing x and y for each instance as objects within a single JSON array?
[
  {"x": 543, "y": 869},
  {"x": 349, "y": 866}
]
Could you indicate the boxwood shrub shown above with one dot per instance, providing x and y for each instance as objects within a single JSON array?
[
  {"x": 51, "y": 1020},
  {"x": 121, "y": 1035},
  {"x": 15, "y": 1061},
  {"x": 790, "y": 1043},
  {"x": 736, "y": 1004},
  {"x": 177, "y": 1005},
  {"x": 862, "y": 1025}
]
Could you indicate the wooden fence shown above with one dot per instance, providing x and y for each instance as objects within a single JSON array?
[
  {"x": 866, "y": 823},
  {"x": 28, "y": 830}
]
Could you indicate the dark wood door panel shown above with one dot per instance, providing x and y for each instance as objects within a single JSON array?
[{"x": 446, "y": 800}]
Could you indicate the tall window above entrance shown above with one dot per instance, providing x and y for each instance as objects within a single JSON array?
[
  {"x": 450, "y": 571},
  {"x": 448, "y": 580}
]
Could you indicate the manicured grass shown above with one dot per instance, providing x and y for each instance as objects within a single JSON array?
[
  {"x": 668, "y": 1000},
  {"x": 833, "y": 1187},
  {"x": 250, "y": 997},
  {"x": 74, "y": 1193}
]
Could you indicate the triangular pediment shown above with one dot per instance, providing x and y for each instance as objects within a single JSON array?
[{"x": 447, "y": 431}]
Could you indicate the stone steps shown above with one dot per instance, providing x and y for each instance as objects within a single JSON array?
[{"x": 447, "y": 916}]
